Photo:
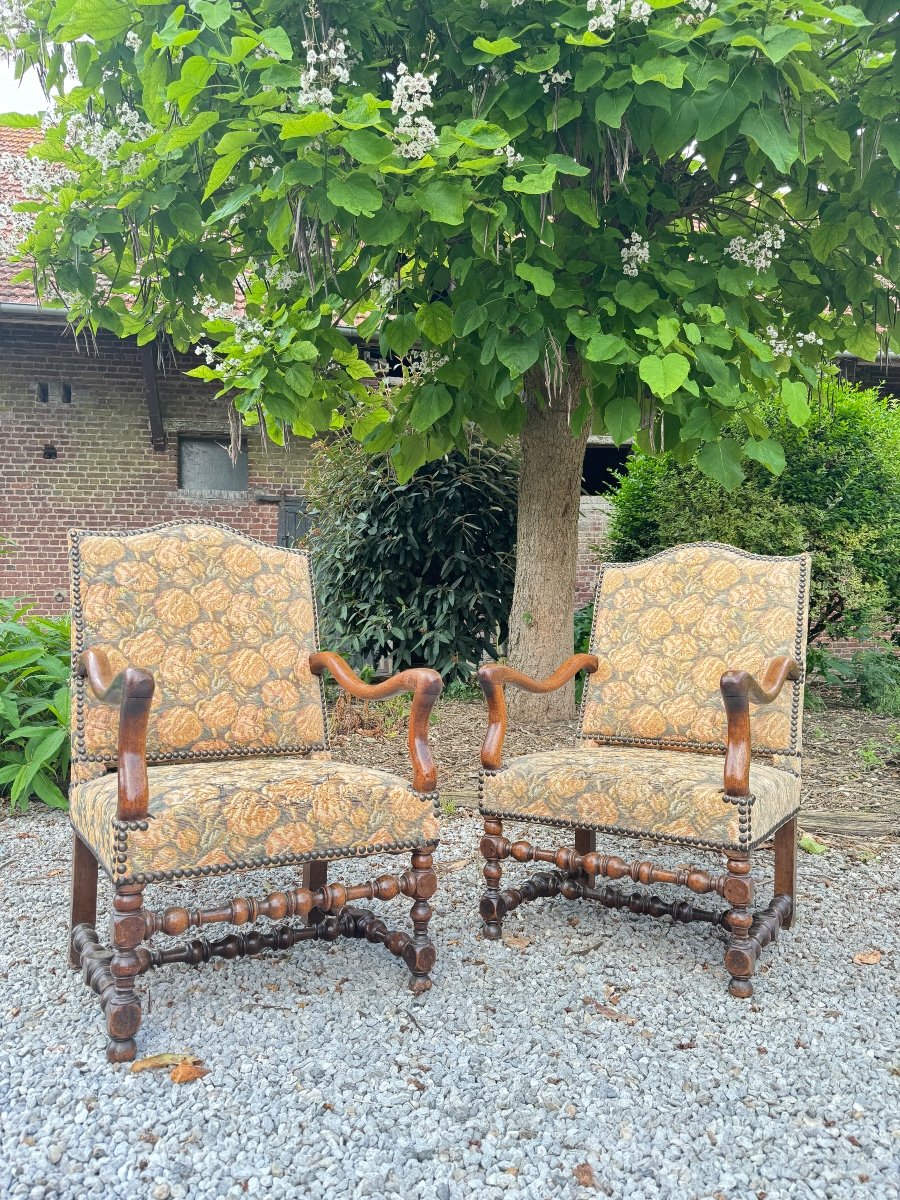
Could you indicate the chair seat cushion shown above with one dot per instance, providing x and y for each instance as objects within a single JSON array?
[
  {"x": 664, "y": 793},
  {"x": 212, "y": 817}
]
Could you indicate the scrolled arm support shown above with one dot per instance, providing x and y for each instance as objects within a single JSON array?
[
  {"x": 132, "y": 690},
  {"x": 493, "y": 677},
  {"x": 739, "y": 689},
  {"x": 426, "y": 686}
]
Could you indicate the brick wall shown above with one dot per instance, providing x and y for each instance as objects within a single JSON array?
[
  {"x": 593, "y": 523},
  {"x": 106, "y": 473}
]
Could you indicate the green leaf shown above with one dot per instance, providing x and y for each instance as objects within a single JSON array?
[
  {"x": 100, "y": 20},
  {"x": 754, "y": 344},
  {"x": 357, "y": 194},
  {"x": 838, "y": 140},
  {"x": 435, "y": 320},
  {"x": 532, "y": 185},
  {"x": 722, "y": 461},
  {"x": 795, "y": 398},
  {"x": 566, "y": 165},
  {"x": 518, "y": 353},
  {"x": 668, "y": 71},
  {"x": 308, "y": 125},
  {"x": 543, "y": 60},
  {"x": 432, "y": 403},
  {"x": 482, "y": 134},
  {"x": 443, "y": 201},
  {"x": 275, "y": 39},
  {"x": 367, "y": 146},
  {"x": 19, "y": 121},
  {"x": 235, "y": 201},
  {"x": 504, "y": 45},
  {"x": 848, "y": 14},
  {"x": 668, "y": 329},
  {"x": 221, "y": 171},
  {"x": 863, "y": 343},
  {"x": 603, "y": 347},
  {"x": 663, "y": 376},
  {"x": 809, "y": 845},
  {"x": 213, "y": 13},
  {"x": 622, "y": 416},
  {"x": 542, "y": 281},
  {"x": 579, "y": 202},
  {"x": 766, "y": 451},
  {"x": 635, "y": 295},
  {"x": 718, "y": 108},
  {"x": 610, "y": 106},
  {"x": 767, "y": 128},
  {"x": 181, "y": 136},
  {"x": 785, "y": 42},
  {"x": 826, "y": 238},
  {"x": 384, "y": 229},
  {"x": 591, "y": 71},
  {"x": 400, "y": 334},
  {"x": 890, "y": 139}
]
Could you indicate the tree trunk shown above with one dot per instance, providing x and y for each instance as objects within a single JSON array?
[{"x": 541, "y": 626}]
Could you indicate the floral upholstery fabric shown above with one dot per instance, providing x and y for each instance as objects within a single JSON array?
[
  {"x": 214, "y": 816},
  {"x": 664, "y": 793},
  {"x": 667, "y": 628},
  {"x": 225, "y": 624}
]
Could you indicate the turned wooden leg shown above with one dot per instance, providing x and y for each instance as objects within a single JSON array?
[
  {"x": 740, "y": 957},
  {"x": 315, "y": 876},
  {"x": 83, "y": 904},
  {"x": 419, "y": 955},
  {"x": 586, "y": 843},
  {"x": 494, "y": 848},
  {"x": 786, "y": 867},
  {"x": 123, "y": 1006}
]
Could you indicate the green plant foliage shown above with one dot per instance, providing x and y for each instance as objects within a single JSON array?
[
  {"x": 694, "y": 210},
  {"x": 34, "y": 706},
  {"x": 871, "y": 677},
  {"x": 838, "y": 497},
  {"x": 421, "y": 571}
]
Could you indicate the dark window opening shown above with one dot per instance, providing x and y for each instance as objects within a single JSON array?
[
  {"x": 43, "y": 392},
  {"x": 204, "y": 464},
  {"x": 602, "y": 462},
  {"x": 49, "y": 452},
  {"x": 66, "y": 393}
]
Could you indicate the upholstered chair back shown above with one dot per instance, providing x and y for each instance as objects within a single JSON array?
[
  {"x": 226, "y": 625},
  {"x": 666, "y": 628}
]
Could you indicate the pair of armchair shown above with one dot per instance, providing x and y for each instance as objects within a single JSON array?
[{"x": 200, "y": 748}]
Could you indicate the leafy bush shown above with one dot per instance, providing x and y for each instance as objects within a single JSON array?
[
  {"x": 421, "y": 571},
  {"x": 838, "y": 497},
  {"x": 34, "y": 705},
  {"x": 871, "y": 678}
]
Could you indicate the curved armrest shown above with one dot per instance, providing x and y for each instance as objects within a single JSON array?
[
  {"x": 494, "y": 676},
  {"x": 738, "y": 689},
  {"x": 132, "y": 689},
  {"x": 426, "y": 686}
]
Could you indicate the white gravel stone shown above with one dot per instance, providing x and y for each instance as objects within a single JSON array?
[{"x": 327, "y": 1077}]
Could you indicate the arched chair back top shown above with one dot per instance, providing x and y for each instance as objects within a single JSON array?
[{"x": 224, "y": 623}]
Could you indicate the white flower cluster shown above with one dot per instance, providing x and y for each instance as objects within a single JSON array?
[
  {"x": 24, "y": 178},
  {"x": 387, "y": 288},
  {"x": 13, "y": 19},
  {"x": 758, "y": 252},
  {"x": 327, "y": 65},
  {"x": 554, "y": 78},
  {"x": 102, "y": 142},
  {"x": 133, "y": 40},
  {"x": 281, "y": 276},
  {"x": 512, "y": 157},
  {"x": 635, "y": 251},
  {"x": 699, "y": 11},
  {"x": 412, "y": 95},
  {"x": 421, "y": 363},
  {"x": 782, "y": 345},
  {"x": 217, "y": 310},
  {"x": 605, "y": 13}
]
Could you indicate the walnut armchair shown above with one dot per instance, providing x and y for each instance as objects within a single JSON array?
[
  {"x": 682, "y": 645},
  {"x": 200, "y": 748}
]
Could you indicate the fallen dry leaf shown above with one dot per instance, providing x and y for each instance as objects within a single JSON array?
[
  {"x": 584, "y": 1175},
  {"x": 187, "y": 1072},
  {"x": 517, "y": 942},
  {"x": 456, "y": 865},
  {"x": 158, "y": 1061},
  {"x": 605, "y": 1011},
  {"x": 867, "y": 958}
]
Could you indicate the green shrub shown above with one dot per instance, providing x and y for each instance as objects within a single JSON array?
[
  {"x": 838, "y": 497},
  {"x": 421, "y": 571},
  {"x": 871, "y": 678},
  {"x": 34, "y": 706}
]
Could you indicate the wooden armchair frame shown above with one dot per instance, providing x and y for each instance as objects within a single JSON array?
[
  {"x": 576, "y": 869},
  {"x": 324, "y": 908}
]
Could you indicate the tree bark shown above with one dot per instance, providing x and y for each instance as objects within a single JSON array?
[{"x": 541, "y": 634}]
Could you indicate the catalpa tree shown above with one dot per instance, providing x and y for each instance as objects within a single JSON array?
[{"x": 652, "y": 218}]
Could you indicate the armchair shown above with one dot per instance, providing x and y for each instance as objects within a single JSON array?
[
  {"x": 683, "y": 644},
  {"x": 200, "y": 748}
]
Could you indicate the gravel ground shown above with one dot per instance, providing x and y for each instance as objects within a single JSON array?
[{"x": 591, "y": 1054}]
